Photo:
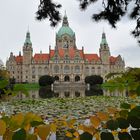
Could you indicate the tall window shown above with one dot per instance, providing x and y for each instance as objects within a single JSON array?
[
  {"x": 45, "y": 70},
  {"x": 33, "y": 70},
  {"x": 99, "y": 70},
  {"x": 77, "y": 69},
  {"x": 39, "y": 70},
  {"x": 56, "y": 69},
  {"x": 93, "y": 70},
  {"x": 87, "y": 70},
  {"x": 66, "y": 69},
  {"x": 66, "y": 59}
]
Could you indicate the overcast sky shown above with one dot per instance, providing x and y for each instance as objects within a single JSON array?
[{"x": 17, "y": 15}]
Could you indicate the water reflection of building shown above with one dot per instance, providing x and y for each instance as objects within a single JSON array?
[
  {"x": 70, "y": 92},
  {"x": 65, "y": 62}
]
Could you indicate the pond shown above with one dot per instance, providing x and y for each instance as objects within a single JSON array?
[{"x": 68, "y": 92}]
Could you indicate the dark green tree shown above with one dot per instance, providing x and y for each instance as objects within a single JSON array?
[
  {"x": 46, "y": 80},
  {"x": 94, "y": 80},
  {"x": 112, "y": 11}
]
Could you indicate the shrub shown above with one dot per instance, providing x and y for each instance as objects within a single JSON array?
[
  {"x": 46, "y": 80},
  {"x": 94, "y": 80}
]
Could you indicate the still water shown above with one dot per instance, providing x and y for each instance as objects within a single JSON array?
[{"x": 68, "y": 92}]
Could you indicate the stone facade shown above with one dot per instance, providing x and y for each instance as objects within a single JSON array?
[{"x": 65, "y": 62}]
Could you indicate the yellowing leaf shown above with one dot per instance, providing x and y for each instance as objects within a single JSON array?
[
  {"x": 31, "y": 137},
  {"x": 69, "y": 134},
  {"x": 27, "y": 127},
  {"x": 76, "y": 134},
  {"x": 95, "y": 121},
  {"x": 43, "y": 131},
  {"x": 8, "y": 135},
  {"x": 81, "y": 127},
  {"x": 112, "y": 110},
  {"x": 97, "y": 136},
  {"x": 53, "y": 127},
  {"x": 133, "y": 106},
  {"x": 89, "y": 129},
  {"x": 2, "y": 127},
  {"x": 103, "y": 116},
  {"x": 18, "y": 119}
]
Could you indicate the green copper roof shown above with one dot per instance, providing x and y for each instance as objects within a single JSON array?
[
  {"x": 65, "y": 30},
  {"x": 27, "y": 40},
  {"x": 103, "y": 41}
]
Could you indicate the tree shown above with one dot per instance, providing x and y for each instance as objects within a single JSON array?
[
  {"x": 94, "y": 80},
  {"x": 113, "y": 11},
  {"x": 46, "y": 80}
]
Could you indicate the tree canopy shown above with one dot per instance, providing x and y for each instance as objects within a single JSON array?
[
  {"x": 112, "y": 11},
  {"x": 46, "y": 80}
]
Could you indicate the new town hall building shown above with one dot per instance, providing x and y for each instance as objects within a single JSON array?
[{"x": 65, "y": 62}]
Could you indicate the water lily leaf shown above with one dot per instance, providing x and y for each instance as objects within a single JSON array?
[
  {"x": 69, "y": 134},
  {"x": 2, "y": 127},
  {"x": 124, "y": 136},
  {"x": 103, "y": 116},
  {"x": 86, "y": 136},
  {"x": 123, "y": 113},
  {"x": 135, "y": 134},
  {"x": 19, "y": 135},
  {"x": 43, "y": 131},
  {"x": 123, "y": 123},
  {"x": 95, "y": 121},
  {"x": 31, "y": 137},
  {"x": 112, "y": 110},
  {"x": 53, "y": 127},
  {"x": 36, "y": 123},
  {"x": 76, "y": 134},
  {"x": 8, "y": 135},
  {"x": 107, "y": 136},
  {"x": 112, "y": 124},
  {"x": 125, "y": 106}
]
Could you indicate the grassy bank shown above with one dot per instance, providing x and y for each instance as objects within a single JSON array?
[{"x": 33, "y": 86}]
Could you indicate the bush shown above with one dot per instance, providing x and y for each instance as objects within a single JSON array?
[
  {"x": 46, "y": 80},
  {"x": 94, "y": 80}
]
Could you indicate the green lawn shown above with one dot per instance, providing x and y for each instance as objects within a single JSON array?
[{"x": 27, "y": 86}]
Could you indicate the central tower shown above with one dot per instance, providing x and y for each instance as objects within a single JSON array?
[{"x": 65, "y": 37}]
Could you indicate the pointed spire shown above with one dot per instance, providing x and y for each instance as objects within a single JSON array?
[
  {"x": 103, "y": 41},
  {"x": 65, "y": 20},
  {"x": 27, "y": 40}
]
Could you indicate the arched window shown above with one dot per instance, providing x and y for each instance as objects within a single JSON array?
[
  {"x": 77, "y": 78},
  {"x": 87, "y": 70},
  {"x": 56, "y": 69},
  {"x": 77, "y": 57},
  {"x": 77, "y": 93},
  {"x": 67, "y": 94},
  {"x": 93, "y": 71},
  {"x": 33, "y": 70},
  {"x": 39, "y": 70},
  {"x": 77, "y": 69},
  {"x": 66, "y": 78},
  {"x": 46, "y": 70},
  {"x": 56, "y": 78},
  {"x": 99, "y": 70},
  {"x": 66, "y": 59},
  {"x": 67, "y": 69}
]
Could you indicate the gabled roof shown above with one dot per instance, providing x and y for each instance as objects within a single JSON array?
[
  {"x": 19, "y": 59},
  {"x": 41, "y": 57},
  {"x": 113, "y": 59},
  {"x": 70, "y": 51},
  {"x": 91, "y": 57}
]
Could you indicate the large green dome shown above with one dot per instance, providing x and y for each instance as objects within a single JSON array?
[{"x": 65, "y": 30}]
